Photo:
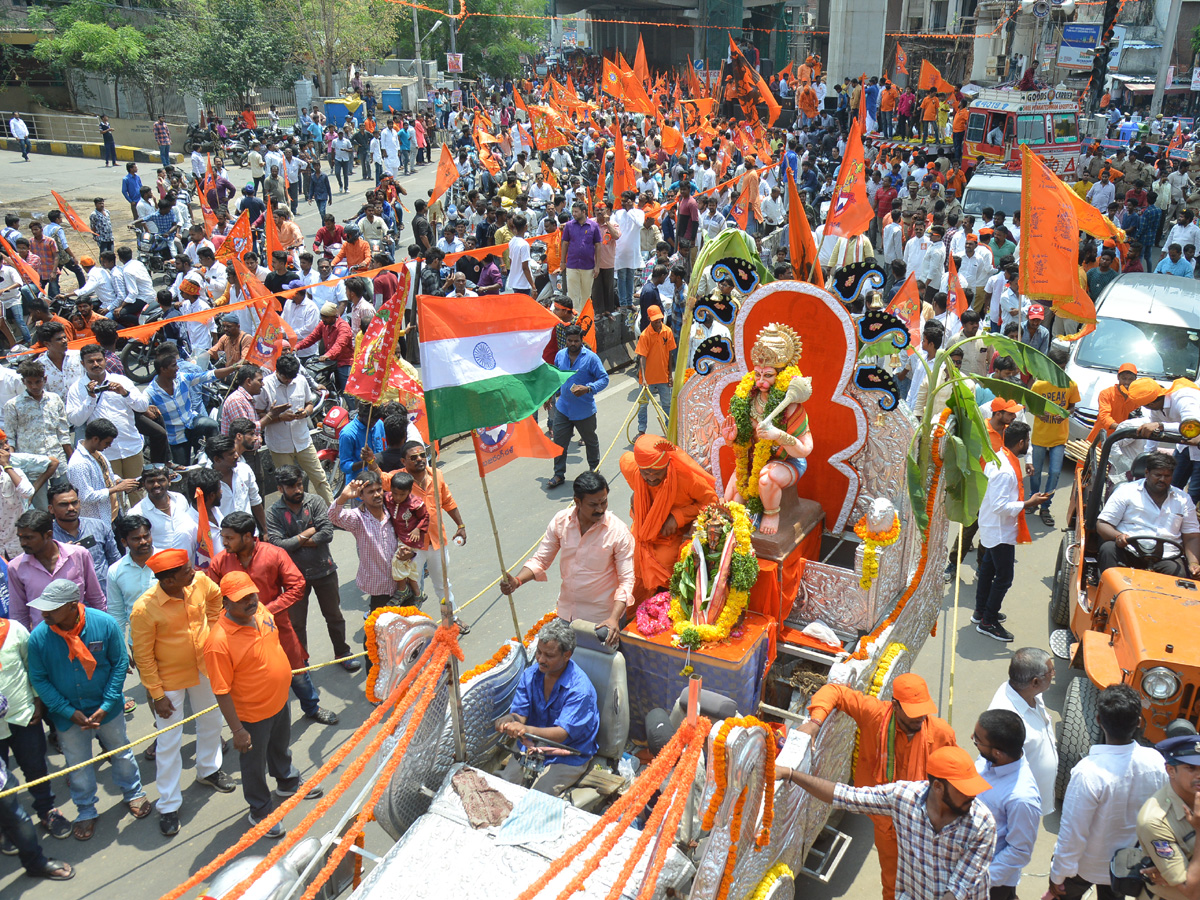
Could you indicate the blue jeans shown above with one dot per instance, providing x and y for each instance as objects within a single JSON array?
[
  {"x": 306, "y": 693},
  {"x": 16, "y": 825},
  {"x": 625, "y": 286},
  {"x": 1052, "y": 459},
  {"x": 404, "y": 161},
  {"x": 321, "y": 209},
  {"x": 662, "y": 393},
  {"x": 164, "y": 151},
  {"x": 1187, "y": 473},
  {"x": 25, "y": 146},
  {"x": 77, "y": 748},
  {"x": 885, "y": 123},
  {"x": 996, "y": 568}
]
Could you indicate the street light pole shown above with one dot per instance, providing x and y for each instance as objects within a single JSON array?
[
  {"x": 1164, "y": 63},
  {"x": 417, "y": 42}
]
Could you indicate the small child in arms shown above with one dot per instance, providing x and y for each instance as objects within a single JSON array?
[{"x": 410, "y": 519}]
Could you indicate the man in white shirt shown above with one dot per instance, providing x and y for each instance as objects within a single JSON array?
[
  {"x": 257, "y": 164},
  {"x": 932, "y": 335},
  {"x": 915, "y": 250},
  {"x": 199, "y": 164},
  {"x": 101, "y": 283},
  {"x": 627, "y": 257},
  {"x": 1001, "y": 527},
  {"x": 287, "y": 401},
  {"x": 1152, "y": 508},
  {"x": 1030, "y": 674},
  {"x": 705, "y": 178},
  {"x": 1102, "y": 193},
  {"x": 540, "y": 193},
  {"x": 138, "y": 283},
  {"x": 1106, "y": 790},
  {"x": 975, "y": 269},
  {"x": 520, "y": 278},
  {"x": 172, "y": 522},
  {"x": 102, "y": 395},
  {"x": 20, "y": 131},
  {"x": 712, "y": 222},
  {"x": 933, "y": 263},
  {"x": 1183, "y": 232},
  {"x": 304, "y": 316},
  {"x": 773, "y": 212},
  {"x": 389, "y": 147},
  {"x": 893, "y": 242}
]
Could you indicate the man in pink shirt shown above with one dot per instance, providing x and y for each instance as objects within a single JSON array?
[{"x": 596, "y": 564}]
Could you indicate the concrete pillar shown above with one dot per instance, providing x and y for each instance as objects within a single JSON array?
[{"x": 856, "y": 43}]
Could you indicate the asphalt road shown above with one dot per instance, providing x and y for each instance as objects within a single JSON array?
[{"x": 132, "y": 859}]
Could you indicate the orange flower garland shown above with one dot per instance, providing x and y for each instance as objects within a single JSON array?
[
  {"x": 735, "y": 834},
  {"x": 537, "y": 626},
  {"x": 688, "y": 764},
  {"x": 335, "y": 760},
  {"x": 500, "y": 655},
  {"x": 939, "y": 432},
  {"x": 373, "y": 646},
  {"x": 719, "y": 776}
]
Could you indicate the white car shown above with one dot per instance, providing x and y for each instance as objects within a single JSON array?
[{"x": 1152, "y": 321}]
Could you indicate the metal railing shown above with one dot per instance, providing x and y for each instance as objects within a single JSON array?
[{"x": 72, "y": 128}]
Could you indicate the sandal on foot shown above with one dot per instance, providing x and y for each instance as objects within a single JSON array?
[
  {"x": 84, "y": 830},
  {"x": 554, "y": 482},
  {"x": 130, "y": 704},
  {"x": 139, "y": 808},
  {"x": 1047, "y": 518}
]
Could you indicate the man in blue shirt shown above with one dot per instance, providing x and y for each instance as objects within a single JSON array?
[
  {"x": 575, "y": 407},
  {"x": 1174, "y": 263},
  {"x": 353, "y": 439},
  {"x": 131, "y": 187},
  {"x": 1013, "y": 799},
  {"x": 554, "y": 700},
  {"x": 77, "y": 665},
  {"x": 93, "y": 534}
]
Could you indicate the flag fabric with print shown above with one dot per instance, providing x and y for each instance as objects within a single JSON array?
[
  {"x": 482, "y": 364},
  {"x": 851, "y": 212},
  {"x": 239, "y": 240},
  {"x": 1049, "y": 254},
  {"x": 70, "y": 215},
  {"x": 374, "y": 360},
  {"x": 610, "y": 80},
  {"x": 267, "y": 344},
  {"x": 501, "y": 444},
  {"x": 447, "y": 174},
  {"x": 204, "y": 542},
  {"x": 901, "y": 61},
  {"x": 906, "y": 306},
  {"x": 931, "y": 79}
]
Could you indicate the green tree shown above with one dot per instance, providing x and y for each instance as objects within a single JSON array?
[
  {"x": 235, "y": 46},
  {"x": 491, "y": 44},
  {"x": 334, "y": 33}
]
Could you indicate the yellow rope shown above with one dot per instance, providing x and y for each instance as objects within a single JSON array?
[{"x": 153, "y": 735}]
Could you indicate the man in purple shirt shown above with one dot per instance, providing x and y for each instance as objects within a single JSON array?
[
  {"x": 490, "y": 280},
  {"x": 44, "y": 560},
  {"x": 579, "y": 239},
  {"x": 687, "y": 222}
]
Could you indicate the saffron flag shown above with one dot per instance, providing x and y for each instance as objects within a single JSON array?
[
  {"x": 447, "y": 174},
  {"x": 251, "y": 287},
  {"x": 482, "y": 364},
  {"x": 862, "y": 100},
  {"x": 501, "y": 444},
  {"x": 375, "y": 359},
  {"x": 1049, "y": 256},
  {"x": 695, "y": 85},
  {"x": 1176, "y": 138},
  {"x": 634, "y": 94},
  {"x": 210, "y": 220},
  {"x": 801, "y": 246},
  {"x": 238, "y": 242},
  {"x": 956, "y": 302},
  {"x": 901, "y": 61},
  {"x": 851, "y": 211},
  {"x": 786, "y": 70},
  {"x": 72, "y": 218},
  {"x": 624, "y": 178},
  {"x": 271, "y": 241},
  {"x": 545, "y": 135},
  {"x": 267, "y": 345},
  {"x": 586, "y": 320},
  {"x": 204, "y": 543},
  {"x": 610, "y": 80},
  {"x": 906, "y": 306},
  {"x": 741, "y": 208},
  {"x": 931, "y": 79},
  {"x": 749, "y": 87},
  {"x": 640, "y": 69},
  {"x": 28, "y": 272},
  {"x": 672, "y": 140}
]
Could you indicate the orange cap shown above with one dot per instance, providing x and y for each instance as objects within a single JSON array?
[
  {"x": 911, "y": 692},
  {"x": 1127, "y": 367},
  {"x": 654, "y": 313},
  {"x": 165, "y": 560},
  {"x": 237, "y": 585},
  {"x": 1002, "y": 404},
  {"x": 955, "y": 766},
  {"x": 1145, "y": 390}
]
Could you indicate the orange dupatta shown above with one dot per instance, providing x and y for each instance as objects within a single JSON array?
[
  {"x": 1023, "y": 536},
  {"x": 76, "y": 648}
]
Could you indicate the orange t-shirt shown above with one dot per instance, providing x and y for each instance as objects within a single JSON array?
[
  {"x": 960, "y": 120},
  {"x": 887, "y": 102},
  {"x": 655, "y": 347},
  {"x": 354, "y": 253},
  {"x": 956, "y": 181},
  {"x": 929, "y": 108},
  {"x": 247, "y": 662}
]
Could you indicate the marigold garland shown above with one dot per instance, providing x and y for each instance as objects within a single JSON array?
[
  {"x": 864, "y": 645},
  {"x": 537, "y": 626},
  {"x": 773, "y": 874},
  {"x": 500, "y": 655},
  {"x": 743, "y": 572},
  {"x": 873, "y": 540},
  {"x": 373, "y": 646},
  {"x": 721, "y": 780},
  {"x": 748, "y": 469}
]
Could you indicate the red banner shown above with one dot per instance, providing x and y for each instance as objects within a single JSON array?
[{"x": 374, "y": 360}]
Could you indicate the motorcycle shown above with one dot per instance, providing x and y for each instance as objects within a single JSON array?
[{"x": 325, "y": 439}]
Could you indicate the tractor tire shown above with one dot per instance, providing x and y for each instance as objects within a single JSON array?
[
  {"x": 1079, "y": 729},
  {"x": 1060, "y": 593}
]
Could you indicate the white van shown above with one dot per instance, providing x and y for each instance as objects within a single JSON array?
[{"x": 995, "y": 188}]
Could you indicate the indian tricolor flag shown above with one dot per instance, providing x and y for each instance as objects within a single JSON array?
[{"x": 481, "y": 361}]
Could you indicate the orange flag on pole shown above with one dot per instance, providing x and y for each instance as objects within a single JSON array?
[
  {"x": 496, "y": 447},
  {"x": 640, "y": 69},
  {"x": 610, "y": 80},
  {"x": 204, "y": 543},
  {"x": 741, "y": 208},
  {"x": 956, "y": 302},
  {"x": 271, "y": 241},
  {"x": 901, "y": 61},
  {"x": 72, "y": 218},
  {"x": 238, "y": 242},
  {"x": 801, "y": 246},
  {"x": 931, "y": 79},
  {"x": 28, "y": 272},
  {"x": 267, "y": 344},
  {"x": 586, "y": 320},
  {"x": 623, "y": 176},
  {"x": 447, "y": 174},
  {"x": 851, "y": 212},
  {"x": 672, "y": 140},
  {"x": 906, "y": 306}
]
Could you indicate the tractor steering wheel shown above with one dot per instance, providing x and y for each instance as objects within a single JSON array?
[{"x": 1135, "y": 552}]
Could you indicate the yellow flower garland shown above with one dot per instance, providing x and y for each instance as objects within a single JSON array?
[
  {"x": 874, "y": 540},
  {"x": 773, "y": 874},
  {"x": 735, "y": 601},
  {"x": 747, "y": 470}
]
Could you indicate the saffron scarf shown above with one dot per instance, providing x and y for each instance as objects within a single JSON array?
[
  {"x": 76, "y": 648},
  {"x": 1023, "y": 536}
]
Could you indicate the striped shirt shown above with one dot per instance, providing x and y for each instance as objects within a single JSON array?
[
  {"x": 179, "y": 407},
  {"x": 932, "y": 863},
  {"x": 376, "y": 546},
  {"x": 46, "y": 252},
  {"x": 239, "y": 405}
]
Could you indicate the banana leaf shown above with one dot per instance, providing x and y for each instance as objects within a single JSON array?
[
  {"x": 1029, "y": 360},
  {"x": 1009, "y": 390}
]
